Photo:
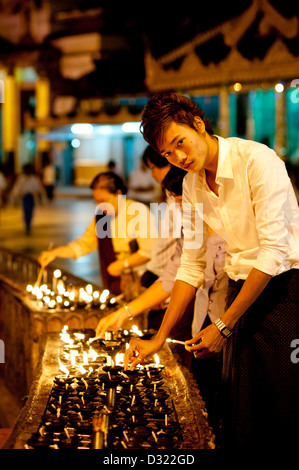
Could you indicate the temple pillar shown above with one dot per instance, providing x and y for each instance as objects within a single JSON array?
[
  {"x": 280, "y": 124},
  {"x": 223, "y": 121},
  {"x": 250, "y": 124},
  {"x": 11, "y": 122},
  {"x": 42, "y": 112}
]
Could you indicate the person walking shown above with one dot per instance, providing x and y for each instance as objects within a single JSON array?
[{"x": 27, "y": 188}]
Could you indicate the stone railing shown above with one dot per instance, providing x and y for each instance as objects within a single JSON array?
[{"x": 23, "y": 320}]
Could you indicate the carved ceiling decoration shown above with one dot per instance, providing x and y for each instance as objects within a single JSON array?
[
  {"x": 258, "y": 45},
  {"x": 92, "y": 50}
]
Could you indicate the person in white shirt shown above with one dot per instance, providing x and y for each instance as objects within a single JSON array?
[
  {"x": 241, "y": 190},
  {"x": 109, "y": 191}
]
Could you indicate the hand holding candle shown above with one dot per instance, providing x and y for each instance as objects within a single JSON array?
[{"x": 138, "y": 350}]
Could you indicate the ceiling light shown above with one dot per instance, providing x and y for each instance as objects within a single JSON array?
[
  {"x": 75, "y": 143},
  {"x": 279, "y": 87},
  {"x": 237, "y": 86},
  {"x": 131, "y": 127},
  {"x": 82, "y": 128}
]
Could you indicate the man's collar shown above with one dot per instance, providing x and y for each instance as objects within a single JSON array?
[{"x": 224, "y": 168}]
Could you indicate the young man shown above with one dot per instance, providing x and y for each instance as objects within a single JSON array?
[{"x": 248, "y": 200}]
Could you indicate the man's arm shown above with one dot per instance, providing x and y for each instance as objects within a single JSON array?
[
  {"x": 181, "y": 296},
  {"x": 148, "y": 299},
  {"x": 135, "y": 259},
  {"x": 211, "y": 339}
]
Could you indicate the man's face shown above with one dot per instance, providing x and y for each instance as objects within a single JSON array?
[{"x": 185, "y": 147}]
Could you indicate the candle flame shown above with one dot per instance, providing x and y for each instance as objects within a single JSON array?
[
  {"x": 60, "y": 287},
  {"x": 73, "y": 353},
  {"x": 62, "y": 367},
  {"x": 85, "y": 358},
  {"x": 57, "y": 273},
  {"x": 46, "y": 299},
  {"x": 93, "y": 354},
  {"x": 79, "y": 335},
  {"x": 72, "y": 296},
  {"x": 82, "y": 370},
  {"x": 136, "y": 330},
  {"x": 119, "y": 359},
  {"x": 89, "y": 289},
  {"x": 157, "y": 360}
]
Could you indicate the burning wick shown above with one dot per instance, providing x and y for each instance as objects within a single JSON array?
[{"x": 169, "y": 340}]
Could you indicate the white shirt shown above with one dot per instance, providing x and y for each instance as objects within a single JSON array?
[
  {"x": 140, "y": 178},
  {"x": 89, "y": 242},
  {"x": 168, "y": 232},
  {"x": 256, "y": 213},
  {"x": 211, "y": 299},
  {"x": 26, "y": 184}
]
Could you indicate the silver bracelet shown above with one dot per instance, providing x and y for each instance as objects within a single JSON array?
[{"x": 129, "y": 312}]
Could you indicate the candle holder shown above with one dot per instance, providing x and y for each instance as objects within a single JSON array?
[{"x": 134, "y": 405}]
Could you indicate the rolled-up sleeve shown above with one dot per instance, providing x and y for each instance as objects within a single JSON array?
[
  {"x": 273, "y": 206},
  {"x": 85, "y": 244},
  {"x": 195, "y": 230}
]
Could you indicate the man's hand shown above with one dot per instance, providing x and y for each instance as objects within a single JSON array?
[
  {"x": 60, "y": 252},
  {"x": 115, "y": 269},
  {"x": 211, "y": 343},
  {"x": 138, "y": 350},
  {"x": 111, "y": 322},
  {"x": 46, "y": 257}
]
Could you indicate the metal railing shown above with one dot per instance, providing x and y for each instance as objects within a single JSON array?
[{"x": 24, "y": 270}]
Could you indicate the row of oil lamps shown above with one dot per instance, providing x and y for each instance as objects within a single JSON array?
[
  {"x": 94, "y": 403},
  {"x": 62, "y": 296}
]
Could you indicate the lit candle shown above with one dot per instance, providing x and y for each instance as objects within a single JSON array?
[
  {"x": 89, "y": 289},
  {"x": 60, "y": 287},
  {"x": 56, "y": 275}
]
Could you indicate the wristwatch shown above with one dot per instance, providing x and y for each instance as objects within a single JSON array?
[{"x": 223, "y": 328}]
